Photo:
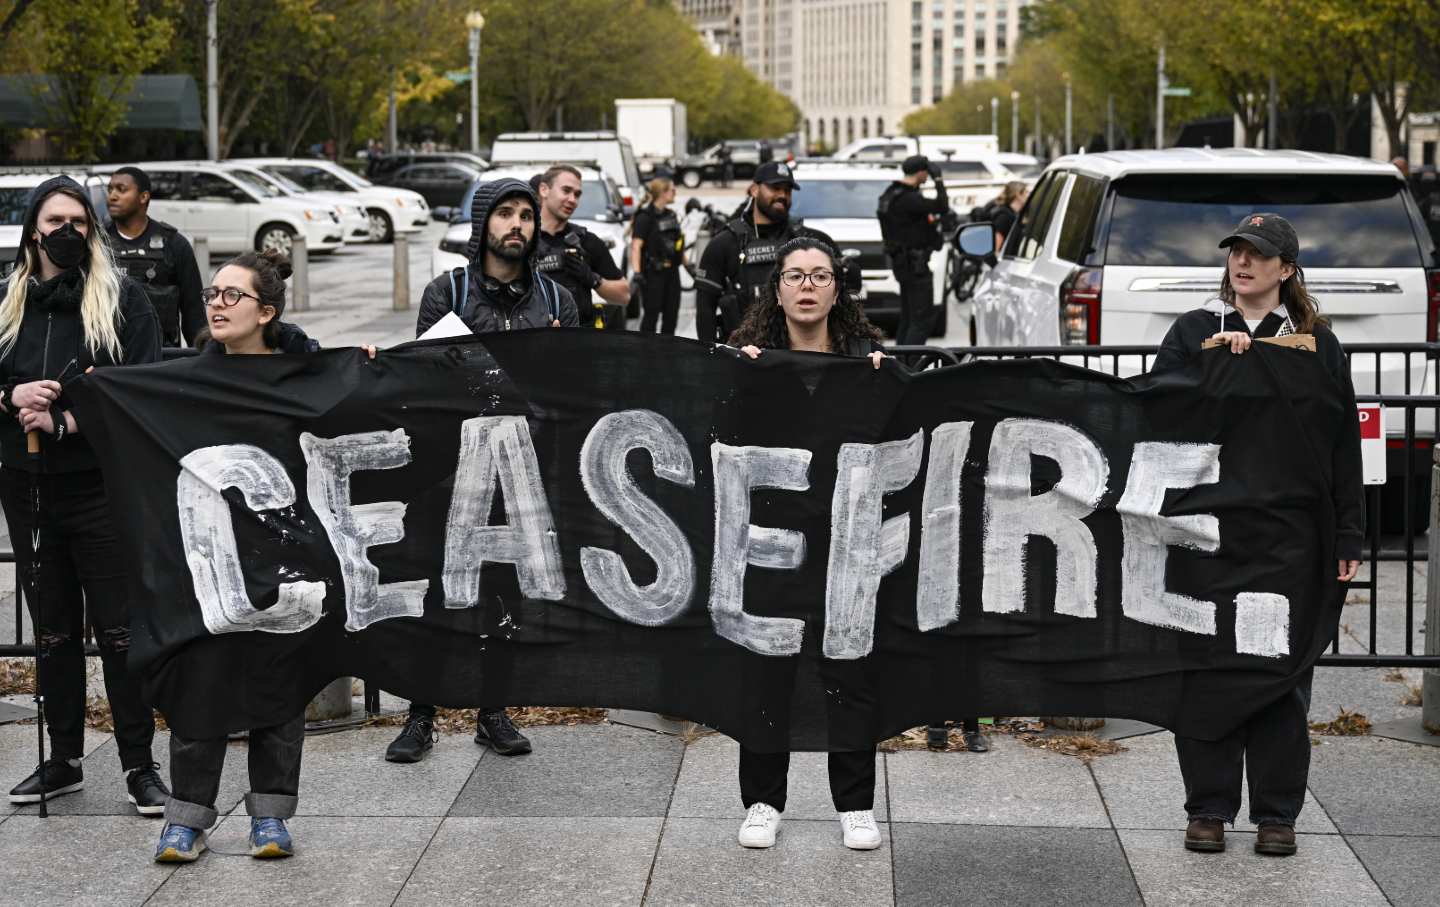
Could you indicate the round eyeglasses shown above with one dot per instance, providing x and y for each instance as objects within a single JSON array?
[{"x": 817, "y": 278}]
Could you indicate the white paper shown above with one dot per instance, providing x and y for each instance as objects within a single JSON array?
[{"x": 449, "y": 326}]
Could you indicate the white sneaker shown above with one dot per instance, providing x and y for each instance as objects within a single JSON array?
[
  {"x": 761, "y": 825},
  {"x": 861, "y": 832}
]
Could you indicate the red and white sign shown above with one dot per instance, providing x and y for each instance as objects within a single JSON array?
[{"x": 1372, "y": 442}]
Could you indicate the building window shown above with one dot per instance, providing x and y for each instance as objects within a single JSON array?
[
  {"x": 915, "y": 94},
  {"x": 864, "y": 128},
  {"x": 880, "y": 130}
]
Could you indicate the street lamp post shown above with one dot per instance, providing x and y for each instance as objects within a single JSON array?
[
  {"x": 474, "y": 21},
  {"x": 995, "y": 116},
  {"x": 212, "y": 80},
  {"x": 1068, "y": 146},
  {"x": 1014, "y": 121}
]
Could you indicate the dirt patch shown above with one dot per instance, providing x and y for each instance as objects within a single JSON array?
[{"x": 1346, "y": 724}]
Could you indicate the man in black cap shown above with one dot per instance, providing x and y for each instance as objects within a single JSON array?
[
  {"x": 736, "y": 266},
  {"x": 908, "y": 226},
  {"x": 156, "y": 256},
  {"x": 499, "y": 290}
]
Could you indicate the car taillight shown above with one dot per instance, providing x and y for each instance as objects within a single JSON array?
[
  {"x": 627, "y": 199},
  {"x": 1432, "y": 307},
  {"x": 1080, "y": 307}
]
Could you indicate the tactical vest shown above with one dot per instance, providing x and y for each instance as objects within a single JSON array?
[
  {"x": 147, "y": 263},
  {"x": 549, "y": 252},
  {"x": 757, "y": 257},
  {"x": 888, "y": 232},
  {"x": 670, "y": 240}
]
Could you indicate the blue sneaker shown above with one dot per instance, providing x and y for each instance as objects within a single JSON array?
[
  {"x": 179, "y": 844},
  {"x": 269, "y": 838}
]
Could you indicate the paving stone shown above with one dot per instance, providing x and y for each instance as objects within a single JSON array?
[
  {"x": 1009, "y": 866},
  {"x": 595, "y": 770},
  {"x": 345, "y": 774},
  {"x": 1324, "y": 871},
  {"x": 1375, "y": 786},
  {"x": 1363, "y": 690},
  {"x": 1011, "y": 785},
  {"x": 580, "y": 861},
  {"x": 337, "y": 861},
  {"x": 700, "y": 863},
  {"x": 1403, "y": 867},
  {"x": 1143, "y": 789},
  {"x": 709, "y": 786},
  {"x": 18, "y": 758},
  {"x": 107, "y": 860}
]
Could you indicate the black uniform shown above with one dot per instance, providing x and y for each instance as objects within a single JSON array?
[
  {"x": 907, "y": 223},
  {"x": 735, "y": 271},
  {"x": 659, "y": 261},
  {"x": 577, "y": 259},
  {"x": 162, "y": 262}
]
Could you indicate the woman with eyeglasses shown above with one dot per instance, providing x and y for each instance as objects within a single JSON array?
[
  {"x": 807, "y": 308},
  {"x": 242, "y": 315},
  {"x": 65, "y": 309}
]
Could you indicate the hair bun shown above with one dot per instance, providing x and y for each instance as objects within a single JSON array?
[{"x": 279, "y": 261}]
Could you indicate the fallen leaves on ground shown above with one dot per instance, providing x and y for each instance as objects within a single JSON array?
[
  {"x": 1346, "y": 724},
  {"x": 1412, "y": 694},
  {"x": 17, "y": 675},
  {"x": 462, "y": 721},
  {"x": 1027, "y": 731}
]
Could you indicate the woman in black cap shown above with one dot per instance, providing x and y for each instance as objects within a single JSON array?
[
  {"x": 1263, "y": 294},
  {"x": 64, "y": 309}
]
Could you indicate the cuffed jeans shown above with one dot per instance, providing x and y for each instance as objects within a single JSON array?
[
  {"x": 81, "y": 571},
  {"x": 1272, "y": 749},
  {"x": 195, "y": 767},
  {"x": 764, "y": 777}
]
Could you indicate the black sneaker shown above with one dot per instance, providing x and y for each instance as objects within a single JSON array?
[
  {"x": 975, "y": 742},
  {"x": 937, "y": 737},
  {"x": 495, "y": 730},
  {"x": 60, "y": 778},
  {"x": 145, "y": 789},
  {"x": 416, "y": 739}
]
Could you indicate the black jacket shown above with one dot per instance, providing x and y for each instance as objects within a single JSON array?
[
  {"x": 723, "y": 272},
  {"x": 292, "y": 340},
  {"x": 51, "y": 344},
  {"x": 908, "y": 218},
  {"x": 1347, "y": 489},
  {"x": 162, "y": 262}
]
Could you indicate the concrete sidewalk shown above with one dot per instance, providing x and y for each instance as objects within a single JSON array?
[{"x": 605, "y": 814}]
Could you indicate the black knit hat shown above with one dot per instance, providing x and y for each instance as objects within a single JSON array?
[{"x": 487, "y": 196}]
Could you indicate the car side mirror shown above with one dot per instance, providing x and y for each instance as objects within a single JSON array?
[
  {"x": 976, "y": 240},
  {"x": 443, "y": 214}
]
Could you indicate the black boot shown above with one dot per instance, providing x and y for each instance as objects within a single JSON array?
[
  {"x": 416, "y": 739},
  {"x": 937, "y": 736},
  {"x": 145, "y": 789},
  {"x": 975, "y": 742},
  {"x": 495, "y": 730},
  {"x": 60, "y": 778}
]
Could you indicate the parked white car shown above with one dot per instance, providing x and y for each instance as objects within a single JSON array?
[
  {"x": 597, "y": 212},
  {"x": 391, "y": 209},
  {"x": 234, "y": 214},
  {"x": 611, "y": 153},
  {"x": 971, "y": 164},
  {"x": 840, "y": 198},
  {"x": 354, "y": 219}
]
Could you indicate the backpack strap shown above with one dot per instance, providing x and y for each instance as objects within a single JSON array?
[
  {"x": 547, "y": 292},
  {"x": 457, "y": 303}
]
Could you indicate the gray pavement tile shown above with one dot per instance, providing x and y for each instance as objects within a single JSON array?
[
  {"x": 1009, "y": 866},
  {"x": 1363, "y": 690},
  {"x": 1403, "y": 867},
  {"x": 709, "y": 786},
  {"x": 1011, "y": 785},
  {"x": 1324, "y": 871},
  {"x": 580, "y": 861},
  {"x": 594, "y": 770},
  {"x": 345, "y": 774},
  {"x": 106, "y": 860},
  {"x": 18, "y": 758},
  {"x": 1375, "y": 786},
  {"x": 1143, "y": 789},
  {"x": 700, "y": 863},
  {"x": 337, "y": 861}
]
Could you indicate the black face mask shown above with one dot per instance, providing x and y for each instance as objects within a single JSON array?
[{"x": 65, "y": 246}]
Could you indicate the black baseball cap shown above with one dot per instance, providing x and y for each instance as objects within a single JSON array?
[
  {"x": 776, "y": 173},
  {"x": 1270, "y": 234},
  {"x": 914, "y": 164}
]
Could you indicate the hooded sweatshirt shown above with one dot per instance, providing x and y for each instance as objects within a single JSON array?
[
  {"x": 51, "y": 343},
  {"x": 485, "y": 304}
]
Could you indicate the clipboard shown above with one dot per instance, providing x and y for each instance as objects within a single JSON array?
[{"x": 1304, "y": 342}]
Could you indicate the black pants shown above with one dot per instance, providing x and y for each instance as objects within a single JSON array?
[
  {"x": 195, "y": 767},
  {"x": 1272, "y": 748},
  {"x": 81, "y": 570},
  {"x": 660, "y": 300},
  {"x": 717, "y": 320},
  {"x": 763, "y": 778},
  {"x": 917, "y": 308}
]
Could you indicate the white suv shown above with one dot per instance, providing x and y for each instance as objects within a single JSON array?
[
  {"x": 354, "y": 219},
  {"x": 200, "y": 198},
  {"x": 391, "y": 210}
]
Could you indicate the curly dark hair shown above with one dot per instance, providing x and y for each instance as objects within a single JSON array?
[{"x": 764, "y": 322}]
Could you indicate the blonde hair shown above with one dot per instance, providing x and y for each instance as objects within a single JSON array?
[
  {"x": 99, "y": 301},
  {"x": 657, "y": 187},
  {"x": 1013, "y": 190}
]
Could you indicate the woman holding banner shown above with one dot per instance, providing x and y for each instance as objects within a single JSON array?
[
  {"x": 64, "y": 309},
  {"x": 1263, "y": 294},
  {"x": 243, "y": 310},
  {"x": 812, "y": 312}
]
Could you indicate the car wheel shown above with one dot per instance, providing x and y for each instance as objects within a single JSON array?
[
  {"x": 690, "y": 179},
  {"x": 278, "y": 237},
  {"x": 381, "y": 229}
]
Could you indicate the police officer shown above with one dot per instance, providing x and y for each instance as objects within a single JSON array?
[
  {"x": 655, "y": 257},
  {"x": 909, "y": 226},
  {"x": 735, "y": 269},
  {"x": 574, "y": 257},
  {"x": 156, "y": 256}
]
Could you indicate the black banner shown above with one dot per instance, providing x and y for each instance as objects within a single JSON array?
[{"x": 799, "y": 551}]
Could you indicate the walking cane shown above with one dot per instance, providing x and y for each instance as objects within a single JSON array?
[{"x": 32, "y": 449}]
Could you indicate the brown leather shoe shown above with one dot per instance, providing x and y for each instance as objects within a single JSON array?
[
  {"x": 1275, "y": 840},
  {"x": 1205, "y": 835}
]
